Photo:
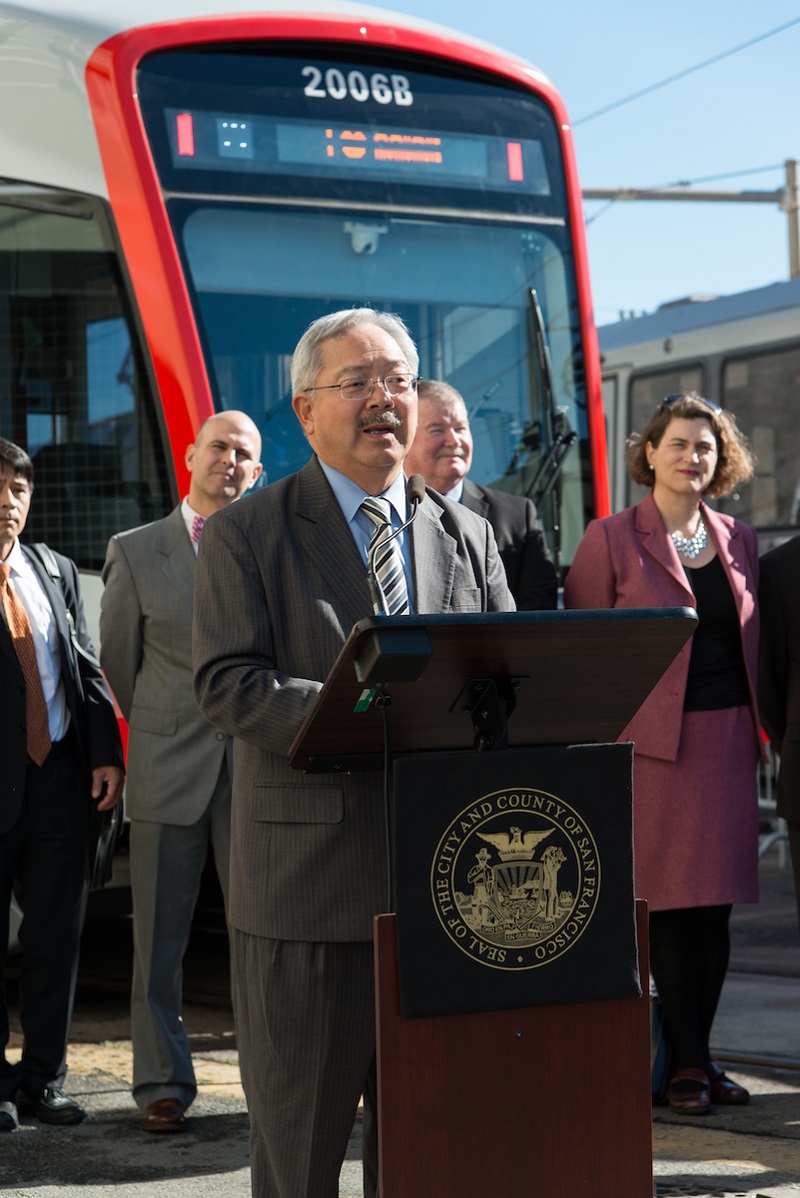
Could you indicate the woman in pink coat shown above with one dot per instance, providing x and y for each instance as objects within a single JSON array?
[{"x": 696, "y": 737}]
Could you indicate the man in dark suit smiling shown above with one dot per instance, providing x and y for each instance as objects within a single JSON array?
[
  {"x": 442, "y": 454},
  {"x": 282, "y": 577}
]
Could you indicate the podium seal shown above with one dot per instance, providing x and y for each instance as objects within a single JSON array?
[{"x": 515, "y": 879}]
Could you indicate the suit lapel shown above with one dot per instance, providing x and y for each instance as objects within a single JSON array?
[
  {"x": 657, "y": 543},
  {"x": 55, "y": 596},
  {"x": 731, "y": 550},
  {"x": 434, "y": 556},
  {"x": 329, "y": 542},
  {"x": 474, "y": 499},
  {"x": 176, "y": 555},
  {"x": 7, "y": 645}
]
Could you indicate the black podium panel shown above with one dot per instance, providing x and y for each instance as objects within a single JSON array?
[{"x": 514, "y": 878}]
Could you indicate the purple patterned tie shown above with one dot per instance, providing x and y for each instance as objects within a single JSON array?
[{"x": 197, "y": 528}]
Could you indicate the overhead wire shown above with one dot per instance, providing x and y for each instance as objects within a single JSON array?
[{"x": 687, "y": 71}]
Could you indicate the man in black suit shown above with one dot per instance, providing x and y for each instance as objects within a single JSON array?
[
  {"x": 60, "y": 743},
  {"x": 442, "y": 454},
  {"x": 779, "y": 680}
]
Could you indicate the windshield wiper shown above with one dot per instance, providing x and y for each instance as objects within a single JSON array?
[{"x": 560, "y": 434}]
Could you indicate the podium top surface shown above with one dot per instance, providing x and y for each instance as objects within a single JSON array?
[{"x": 580, "y": 677}]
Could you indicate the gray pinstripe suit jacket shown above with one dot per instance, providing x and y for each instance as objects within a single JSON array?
[{"x": 280, "y": 584}]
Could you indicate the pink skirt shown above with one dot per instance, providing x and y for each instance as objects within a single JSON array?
[{"x": 695, "y": 820}]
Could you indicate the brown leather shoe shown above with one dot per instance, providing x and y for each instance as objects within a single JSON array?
[
  {"x": 165, "y": 1115},
  {"x": 723, "y": 1090},
  {"x": 691, "y": 1098}
]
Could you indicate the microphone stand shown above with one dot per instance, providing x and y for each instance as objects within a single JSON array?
[{"x": 415, "y": 491}]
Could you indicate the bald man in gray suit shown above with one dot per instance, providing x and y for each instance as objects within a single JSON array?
[
  {"x": 282, "y": 578},
  {"x": 178, "y": 792}
]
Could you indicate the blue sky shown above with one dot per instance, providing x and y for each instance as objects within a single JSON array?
[{"x": 739, "y": 114}]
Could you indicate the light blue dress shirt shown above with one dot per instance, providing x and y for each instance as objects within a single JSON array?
[{"x": 350, "y": 496}]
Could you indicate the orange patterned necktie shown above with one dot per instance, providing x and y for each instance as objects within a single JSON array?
[{"x": 35, "y": 707}]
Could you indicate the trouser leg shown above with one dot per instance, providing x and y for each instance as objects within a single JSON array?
[
  {"x": 52, "y": 888},
  {"x": 794, "y": 848},
  {"x": 10, "y": 850},
  {"x": 166, "y": 867},
  {"x": 306, "y": 1048},
  {"x": 167, "y": 862}
]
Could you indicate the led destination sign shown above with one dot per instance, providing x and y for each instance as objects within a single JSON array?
[{"x": 270, "y": 145}]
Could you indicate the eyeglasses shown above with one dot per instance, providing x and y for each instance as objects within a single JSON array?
[
  {"x": 710, "y": 403},
  {"x": 394, "y": 385}
]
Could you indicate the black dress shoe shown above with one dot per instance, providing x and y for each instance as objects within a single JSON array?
[
  {"x": 51, "y": 1106},
  {"x": 8, "y": 1117}
]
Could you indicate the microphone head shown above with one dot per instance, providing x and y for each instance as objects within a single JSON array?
[{"x": 415, "y": 490}]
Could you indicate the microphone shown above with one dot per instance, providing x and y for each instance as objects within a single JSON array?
[{"x": 415, "y": 493}]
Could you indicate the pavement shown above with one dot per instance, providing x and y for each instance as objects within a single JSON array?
[{"x": 738, "y": 1152}]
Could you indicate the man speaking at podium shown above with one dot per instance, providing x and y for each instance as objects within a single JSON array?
[{"x": 282, "y": 577}]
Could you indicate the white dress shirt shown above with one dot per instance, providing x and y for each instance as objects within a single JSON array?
[{"x": 26, "y": 585}]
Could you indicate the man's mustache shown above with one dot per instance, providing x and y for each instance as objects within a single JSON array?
[{"x": 386, "y": 417}]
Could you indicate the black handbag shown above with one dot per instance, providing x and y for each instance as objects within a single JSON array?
[{"x": 105, "y": 827}]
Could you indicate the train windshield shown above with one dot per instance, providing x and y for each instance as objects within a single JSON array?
[{"x": 298, "y": 184}]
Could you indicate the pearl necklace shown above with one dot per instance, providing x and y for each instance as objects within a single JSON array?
[{"x": 691, "y": 546}]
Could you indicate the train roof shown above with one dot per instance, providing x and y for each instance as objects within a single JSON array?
[
  {"x": 46, "y": 132},
  {"x": 683, "y": 317},
  {"x": 94, "y": 23}
]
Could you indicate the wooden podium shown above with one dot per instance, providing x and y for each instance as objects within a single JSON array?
[
  {"x": 551, "y": 1101},
  {"x": 543, "y": 1102}
]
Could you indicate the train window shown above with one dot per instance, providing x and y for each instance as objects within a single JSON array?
[
  {"x": 645, "y": 394},
  {"x": 73, "y": 391},
  {"x": 763, "y": 391}
]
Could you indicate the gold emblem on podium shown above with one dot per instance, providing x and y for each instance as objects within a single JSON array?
[{"x": 515, "y": 879}]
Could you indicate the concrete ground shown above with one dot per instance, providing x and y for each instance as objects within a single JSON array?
[{"x": 733, "y": 1153}]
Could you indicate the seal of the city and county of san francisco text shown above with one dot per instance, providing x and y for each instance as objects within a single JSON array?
[{"x": 515, "y": 878}]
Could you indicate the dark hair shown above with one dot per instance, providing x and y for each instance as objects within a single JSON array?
[
  {"x": 17, "y": 459},
  {"x": 735, "y": 461}
]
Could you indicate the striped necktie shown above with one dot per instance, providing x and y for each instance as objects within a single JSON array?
[
  {"x": 385, "y": 559},
  {"x": 37, "y": 728}
]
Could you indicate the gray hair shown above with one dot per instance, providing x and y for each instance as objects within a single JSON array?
[
  {"x": 439, "y": 392},
  {"x": 307, "y": 357}
]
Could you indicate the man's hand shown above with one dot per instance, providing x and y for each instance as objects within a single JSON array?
[{"x": 108, "y": 779}]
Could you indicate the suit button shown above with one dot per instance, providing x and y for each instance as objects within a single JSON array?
[{"x": 220, "y": 736}]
